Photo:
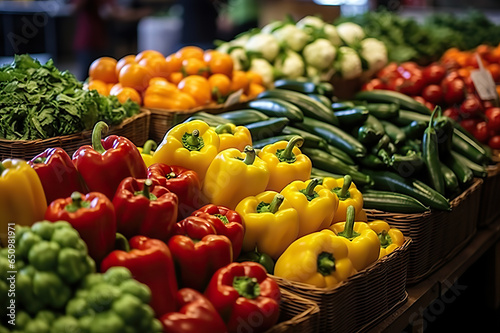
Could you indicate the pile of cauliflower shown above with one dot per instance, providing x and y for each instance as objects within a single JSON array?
[{"x": 308, "y": 49}]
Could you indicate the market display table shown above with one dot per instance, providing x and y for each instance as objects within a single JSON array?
[{"x": 421, "y": 295}]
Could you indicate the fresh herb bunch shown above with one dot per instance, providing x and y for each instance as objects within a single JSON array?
[{"x": 40, "y": 101}]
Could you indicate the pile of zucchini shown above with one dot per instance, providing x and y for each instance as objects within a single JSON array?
[{"x": 401, "y": 160}]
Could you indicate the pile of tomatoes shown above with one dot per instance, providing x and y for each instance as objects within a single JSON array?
[
  {"x": 448, "y": 83},
  {"x": 189, "y": 78}
]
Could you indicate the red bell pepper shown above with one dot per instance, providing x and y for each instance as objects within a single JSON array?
[
  {"x": 198, "y": 252},
  {"x": 183, "y": 182},
  {"x": 107, "y": 162},
  {"x": 194, "y": 314},
  {"x": 226, "y": 221},
  {"x": 92, "y": 215},
  {"x": 144, "y": 207},
  {"x": 150, "y": 262},
  {"x": 57, "y": 173},
  {"x": 242, "y": 292}
]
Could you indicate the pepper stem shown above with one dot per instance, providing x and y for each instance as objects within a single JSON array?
[
  {"x": 40, "y": 159},
  {"x": 271, "y": 207},
  {"x": 246, "y": 286},
  {"x": 149, "y": 146},
  {"x": 326, "y": 263},
  {"x": 349, "y": 232},
  {"x": 288, "y": 154},
  {"x": 77, "y": 202},
  {"x": 309, "y": 190},
  {"x": 223, "y": 218},
  {"x": 146, "y": 190},
  {"x": 193, "y": 139},
  {"x": 224, "y": 128},
  {"x": 121, "y": 243},
  {"x": 385, "y": 239},
  {"x": 2, "y": 168},
  {"x": 250, "y": 155},
  {"x": 171, "y": 175},
  {"x": 345, "y": 187},
  {"x": 99, "y": 128}
]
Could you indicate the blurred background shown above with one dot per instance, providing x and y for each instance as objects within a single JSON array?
[{"x": 73, "y": 32}]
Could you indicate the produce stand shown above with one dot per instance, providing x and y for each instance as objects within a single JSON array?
[{"x": 421, "y": 295}]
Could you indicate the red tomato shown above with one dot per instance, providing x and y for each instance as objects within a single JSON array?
[
  {"x": 454, "y": 90},
  {"x": 413, "y": 85},
  {"x": 469, "y": 124},
  {"x": 434, "y": 73},
  {"x": 471, "y": 106},
  {"x": 481, "y": 132},
  {"x": 375, "y": 83},
  {"x": 494, "y": 142},
  {"x": 433, "y": 93},
  {"x": 452, "y": 112},
  {"x": 388, "y": 72},
  {"x": 493, "y": 116}
]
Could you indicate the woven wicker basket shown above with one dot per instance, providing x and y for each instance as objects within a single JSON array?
[
  {"x": 490, "y": 197},
  {"x": 135, "y": 128},
  {"x": 362, "y": 300},
  {"x": 297, "y": 314},
  {"x": 437, "y": 235}
]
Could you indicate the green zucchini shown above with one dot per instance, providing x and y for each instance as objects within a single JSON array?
[
  {"x": 244, "y": 116},
  {"x": 274, "y": 107},
  {"x": 305, "y": 87},
  {"x": 372, "y": 162},
  {"x": 468, "y": 147},
  {"x": 406, "y": 117},
  {"x": 370, "y": 131},
  {"x": 392, "y": 202},
  {"x": 451, "y": 183},
  {"x": 310, "y": 139},
  {"x": 339, "y": 106},
  {"x": 389, "y": 96},
  {"x": 391, "y": 181},
  {"x": 309, "y": 106},
  {"x": 464, "y": 173},
  {"x": 340, "y": 154},
  {"x": 334, "y": 136},
  {"x": 383, "y": 110},
  {"x": 407, "y": 165},
  {"x": 430, "y": 155},
  {"x": 322, "y": 99},
  {"x": 415, "y": 130},
  {"x": 259, "y": 144},
  {"x": 352, "y": 116},
  {"x": 325, "y": 161},
  {"x": 477, "y": 169},
  {"x": 267, "y": 128},
  {"x": 394, "y": 132},
  {"x": 318, "y": 173}
]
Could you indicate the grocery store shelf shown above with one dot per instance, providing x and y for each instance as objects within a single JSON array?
[{"x": 421, "y": 295}]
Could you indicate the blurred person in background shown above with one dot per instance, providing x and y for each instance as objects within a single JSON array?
[{"x": 93, "y": 22}]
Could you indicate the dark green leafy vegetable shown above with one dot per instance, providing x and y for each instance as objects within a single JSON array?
[{"x": 40, "y": 101}]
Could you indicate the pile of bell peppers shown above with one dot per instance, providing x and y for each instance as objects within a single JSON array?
[{"x": 202, "y": 216}]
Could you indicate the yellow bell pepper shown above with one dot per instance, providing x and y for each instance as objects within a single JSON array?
[
  {"x": 286, "y": 163},
  {"x": 232, "y": 136},
  {"x": 147, "y": 152},
  {"x": 348, "y": 195},
  {"x": 390, "y": 238},
  {"x": 271, "y": 224},
  {"x": 361, "y": 240},
  {"x": 234, "y": 175},
  {"x": 192, "y": 145},
  {"x": 22, "y": 199},
  {"x": 319, "y": 259},
  {"x": 315, "y": 204}
]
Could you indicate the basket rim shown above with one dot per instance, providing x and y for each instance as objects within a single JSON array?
[
  {"x": 399, "y": 251},
  {"x": 83, "y": 134}
]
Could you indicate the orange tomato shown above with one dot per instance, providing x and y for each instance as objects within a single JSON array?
[
  {"x": 127, "y": 93},
  {"x": 174, "y": 63},
  {"x": 494, "y": 69},
  {"x": 99, "y": 85},
  {"x": 464, "y": 72},
  {"x": 254, "y": 77},
  {"x": 220, "y": 86},
  {"x": 194, "y": 66},
  {"x": 103, "y": 69},
  {"x": 135, "y": 76},
  {"x": 498, "y": 90},
  {"x": 167, "y": 90},
  {"x": 451, "y": 53},
  {"x": 190, "y": 51},
  {"x": 148, "y": 54},
  {"x": 115, "y": 89},
  {"x": 128, "y": 59},
  {"x": 198, "y": 87},
  {"x": 218, "y": 62},
  {"x": 178, "y": 101},
  {"x": 175, "y": 77},
  {"x": 158, "y": 80},
  {"x": 239, "y": 81},
  {"x": 157, "y": 66},
  {"x": 254, "y": 89}
]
